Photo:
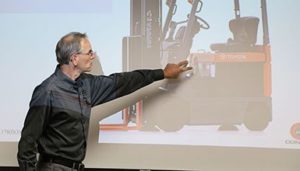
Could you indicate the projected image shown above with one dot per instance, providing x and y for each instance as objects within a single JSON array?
[
  {"x": 227, "y": 95},
  {"x": 229, "y": 85},
  {"x": 239, "y": 103},
  {"x": 242, "y": 92}
]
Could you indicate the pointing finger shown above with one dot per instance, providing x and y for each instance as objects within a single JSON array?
[{"x": 183, "y": 63}]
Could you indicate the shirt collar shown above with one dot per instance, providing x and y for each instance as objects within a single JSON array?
[{"x": 64, "y": 77}]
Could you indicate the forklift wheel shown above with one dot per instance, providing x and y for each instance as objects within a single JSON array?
[
  {"x": 257, "y": 116},
  {"x": 174, "y": 114}
]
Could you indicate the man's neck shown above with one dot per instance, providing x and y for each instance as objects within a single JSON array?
[{"x": 70, "y": 71}]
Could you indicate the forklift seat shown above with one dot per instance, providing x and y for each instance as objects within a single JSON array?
[{"x": 244, "y": 32}]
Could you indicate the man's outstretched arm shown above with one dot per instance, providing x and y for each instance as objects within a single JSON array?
[{"x": 120, "y": 84}]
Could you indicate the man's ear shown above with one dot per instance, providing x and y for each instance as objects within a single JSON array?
[{"x": 74, "y": 59}]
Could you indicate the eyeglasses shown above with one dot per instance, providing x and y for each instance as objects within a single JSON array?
[{"x": 91, "y": 53}]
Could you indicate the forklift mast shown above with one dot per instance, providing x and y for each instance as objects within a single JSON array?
[{"x": 145, "y": 33}]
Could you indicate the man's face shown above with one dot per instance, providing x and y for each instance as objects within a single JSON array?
[{"x": 85, "y": 57}]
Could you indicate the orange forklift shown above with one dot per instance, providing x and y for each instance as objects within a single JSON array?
[{"x": 229, "y": 86}]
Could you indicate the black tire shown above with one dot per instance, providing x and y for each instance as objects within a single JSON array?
[
  {"x": 174, "y": 114},
  {"x": 257, "y": 116}
]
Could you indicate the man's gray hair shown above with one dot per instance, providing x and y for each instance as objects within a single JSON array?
[{"x": 67, "y": 46}]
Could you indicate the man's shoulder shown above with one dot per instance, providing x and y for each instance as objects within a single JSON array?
[
  {"x": 47, "y": 84},
  {"x": 41, "y": 93}
]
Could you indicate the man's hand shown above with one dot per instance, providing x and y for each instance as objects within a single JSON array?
[{"x": 174, "y": 70}]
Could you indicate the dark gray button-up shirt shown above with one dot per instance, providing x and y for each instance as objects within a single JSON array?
[{"x": 57, "y": 121}]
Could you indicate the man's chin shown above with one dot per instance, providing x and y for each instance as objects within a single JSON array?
[{"x": 89, "y": 69}]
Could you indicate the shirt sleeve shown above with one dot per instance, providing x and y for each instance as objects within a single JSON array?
[
  {"x": 106, "y": 88},
  {"x": 33, "y": 127}
]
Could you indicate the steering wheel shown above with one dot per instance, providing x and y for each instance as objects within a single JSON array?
[{"x": 203, "y": 23}]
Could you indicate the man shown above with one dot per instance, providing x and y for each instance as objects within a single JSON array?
[{"x": 56, "y": 124}]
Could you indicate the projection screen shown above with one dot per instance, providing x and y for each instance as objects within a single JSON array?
[{"x": 237, "y": 109}]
